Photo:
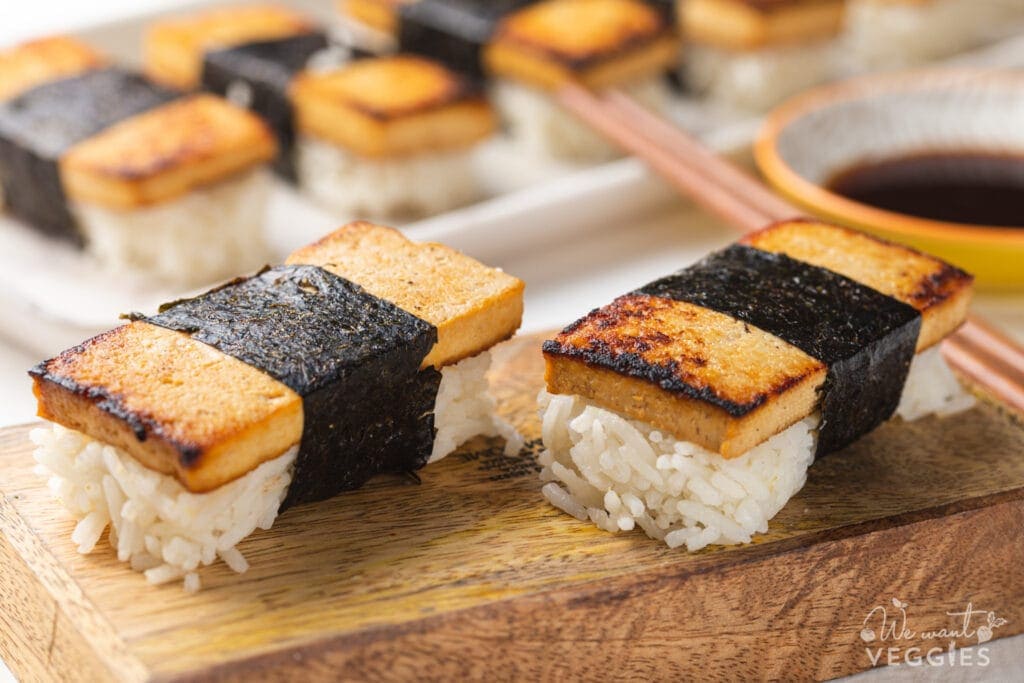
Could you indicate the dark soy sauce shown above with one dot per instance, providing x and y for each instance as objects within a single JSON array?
[{"x": 976, "y": 188}]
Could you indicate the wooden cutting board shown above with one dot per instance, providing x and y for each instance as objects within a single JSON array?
[{"x": 472, "y": 574}]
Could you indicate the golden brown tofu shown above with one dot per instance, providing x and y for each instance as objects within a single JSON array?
[
  {"x": 166, "y": 152},
  {"x": 472, "y": 305},
  {"x": 173, "y": 49},
  {"x": 755, "y": 24},
  {"x": 693, "y": 372},
  {"x": 161, "y": 396},
  {"x": 381, "y": 15},
  {"x": 391, "y": 107},
  {"x": 36, "y": 62},
  {"x": 597, "y": 43},
  {"x": 941, "y": 292}
]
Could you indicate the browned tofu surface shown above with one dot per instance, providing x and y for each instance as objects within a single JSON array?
[
  {"x": 754, "y": 24},
  {"x": 391, "y": 106},
  {"x": 472, "y": 305},
  {"x": 941, "y": 292},
  {"x": 693, "y": 372},
  {"x": 175, "y": 404},
  {"x": 381, "y": 15},
  {"x": 166, "y": 152},
  {"x": 594, "y": 42},
  {"x": 36, "y": 62},
  {"x": 173, "y": 49}
]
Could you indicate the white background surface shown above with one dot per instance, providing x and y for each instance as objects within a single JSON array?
[{"x": 562, "y": 281}]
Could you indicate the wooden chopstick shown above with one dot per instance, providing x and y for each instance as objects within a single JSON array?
[
  {"x": 754, "y": 192},
  {"x": 1002, "y": 349},
  {"x": 978, "y": 364},
  {"x": 977, "y": 350},
  {"x": 689, "y": 179}
]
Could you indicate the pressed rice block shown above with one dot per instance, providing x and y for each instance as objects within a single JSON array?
[{"x": 472, "y": 573}]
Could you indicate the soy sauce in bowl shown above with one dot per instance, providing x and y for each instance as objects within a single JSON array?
[{"x": 971, "y": 187}]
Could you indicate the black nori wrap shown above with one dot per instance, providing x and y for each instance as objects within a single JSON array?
[
  {"x": 39, "y": 125},
  {"x": 352, "y": 357},
  {"x": 266, "y": 68},
  {"x": 453, "y": 32},
  {"x": 866, "y": 339}
]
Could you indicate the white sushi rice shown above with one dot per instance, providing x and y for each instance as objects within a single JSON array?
[
  {"x": 622, "y": 474},
  {"x": 356, "y": 187},
  {"x": 932, "y": 389},
  {"x": 542, "y": 128},
  {"x": 464, "y": 408},
  {"x": 206, "y": 235},
  {"x": 156, "y": 525},
  {"x": 168, "y": 533},
  {"x": 892, "y": 34},
  {"x": 757, "y": 80}
]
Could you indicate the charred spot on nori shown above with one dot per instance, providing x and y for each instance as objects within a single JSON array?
[
  {"x": 453, "y": 32},
  {"x": 352, "y": 357},
  {"x": 39, "y": 125},
  {"x": 866, "y": 339},
  {"x": 266, "y": 68}
]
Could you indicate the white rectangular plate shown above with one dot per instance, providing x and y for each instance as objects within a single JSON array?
[{"x": 542, "y": 215}]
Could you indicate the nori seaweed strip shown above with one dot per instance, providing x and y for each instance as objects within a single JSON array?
[
  {"x": 267, "y": 68},
  {"x": 352, "y": 357},
  {"x": 866, "y": 339},
  {"x": 38, "y": 126},
  {"x": 453, "y": 32}
]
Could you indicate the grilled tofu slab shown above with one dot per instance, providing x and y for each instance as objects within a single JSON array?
[
  {"x": 709, "y": 377},
  {"x": 594, "y": 42},
  {"x": 391, "y": 106},
  {"x": 178, "y": 406},
  {"x": 472, "y": 305},
  {"x": 754, "y": 24},
  {"x": 41, "y": 124},
  {"x": 36, "y": 62},
  {"x": 173, "y": 49},
  {"x": 692, "y": 371},
  {"x": 939, "y": 291},
  {"x": 165, "y": 153}
]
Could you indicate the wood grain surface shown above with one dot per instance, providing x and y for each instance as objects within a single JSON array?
[{"x": 472, "y": 573}]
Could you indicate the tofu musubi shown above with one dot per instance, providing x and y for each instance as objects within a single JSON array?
[
  {"x": 529, "y": 49},
  {"x": 753, "y": 54},
  {"x": 361, "y": 135},
  {"x": 141, "y": 177},
  {"x": 693, "y": 406},
  {"x": 186, "y": 431}
]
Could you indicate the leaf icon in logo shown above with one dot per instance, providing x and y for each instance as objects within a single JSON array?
[
  {"x": 867, "y": 635},
  {"x": 897, "y": 604},
  {"x": 984, "y": 634},
  {"x": 994, "y": 621}
]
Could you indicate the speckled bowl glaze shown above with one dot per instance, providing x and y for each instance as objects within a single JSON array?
[{"x": 809, "y": 139}]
